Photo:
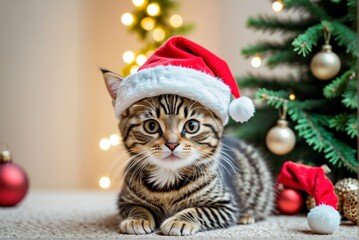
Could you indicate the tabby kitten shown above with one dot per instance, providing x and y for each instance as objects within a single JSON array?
[{"x": 183, "y": 175}]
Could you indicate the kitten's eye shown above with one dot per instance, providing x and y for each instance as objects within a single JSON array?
[
  {"x": 191, "y": 126},
  {"x": 151, "y": 126}
]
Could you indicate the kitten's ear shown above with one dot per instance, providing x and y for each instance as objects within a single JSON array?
[{"x": 112, "y": 81}]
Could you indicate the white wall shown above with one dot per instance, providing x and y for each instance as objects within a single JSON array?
[{"x": 53, "y": 102}]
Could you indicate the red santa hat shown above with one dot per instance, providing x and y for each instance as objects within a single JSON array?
[
  {"x": 324, "y": 218},
  {"x": 183, "y": 67}
]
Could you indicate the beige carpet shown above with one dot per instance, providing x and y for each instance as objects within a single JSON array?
[{"x": 89, "y": 214}]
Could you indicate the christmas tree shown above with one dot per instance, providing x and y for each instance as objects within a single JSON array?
[{"x": 320, "y": 102}]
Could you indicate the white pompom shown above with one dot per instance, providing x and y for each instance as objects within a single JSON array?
[
  {"x": 241, "y": 109},
  {"x": 323, "y": 219}
]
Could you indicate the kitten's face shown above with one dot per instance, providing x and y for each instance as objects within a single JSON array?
[{"x": 170, "y": 132}]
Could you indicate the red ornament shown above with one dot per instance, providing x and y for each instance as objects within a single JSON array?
[
  {"x": 289, "y": 201},
  {"x": 13, "y": 181}
]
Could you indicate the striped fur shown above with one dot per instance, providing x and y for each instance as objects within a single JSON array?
[{"x": 183, "y": 177}]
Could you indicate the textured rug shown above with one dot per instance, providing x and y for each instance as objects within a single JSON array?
[{"x": 88, "y": 214}]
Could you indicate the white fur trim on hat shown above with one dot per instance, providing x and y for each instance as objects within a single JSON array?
[
  {"x": 323, "y": 219},
  {"x": 210, "y": 91}
]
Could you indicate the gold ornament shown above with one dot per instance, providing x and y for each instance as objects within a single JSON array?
[
  {"x": 280, "y": 139},
  {"x": 342, "y": 188},
  {"x": 325, "y": 64},
  {"x": 310, "y": 202},
  {"x": 350, "y": 206}
]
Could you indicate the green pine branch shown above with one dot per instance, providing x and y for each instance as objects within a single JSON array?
[
  {"x": 307, "y": 6},
  {"x": 352, "y": 126},
  {"x": 337, "y": 87},
  {"x": 339, "y": 122},
  {"x": 283, "y": 57},
  {"x": 276, "y": 24},
  {"x": 304, "y": 43},
  {"x": 260, "y": 81},
  {"x": 345, "y": 122},
  {"x": 350, "y": 99},
  {"x": 352, "y": 10},
  {"x": 312, "y": 128},
  {"x": 345, "y": 37},
  {"x": 264, "y": 48}
]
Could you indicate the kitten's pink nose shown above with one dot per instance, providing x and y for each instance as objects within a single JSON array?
[{"x": 172, "y": 146}]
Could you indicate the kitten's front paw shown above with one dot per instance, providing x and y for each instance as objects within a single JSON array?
[
  {"x": 137, "y": 226},
  {"x": 246, "y": 219},
  {"x": 175, "y": 227}
]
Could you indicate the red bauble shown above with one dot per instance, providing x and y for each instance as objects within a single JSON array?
[
  {"x": 13, "y": 181},
  {"x": 289, "y": 201}
]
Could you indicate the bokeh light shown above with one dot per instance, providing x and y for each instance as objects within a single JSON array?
[
  {"x": 105, "y": 144},
  {"x": 127, "y": 19},
  {"x": 256, "y": 61},
  {"x": 176, "y": 21},
  {"x": 104, "y": 182},
  {"x": 153, "y": 9}
]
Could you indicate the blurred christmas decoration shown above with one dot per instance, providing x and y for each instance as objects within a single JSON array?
[
  {"x": 280, "y": 139},
  {"x": 325, "y": 64},
  {"x": 322, "y": 114},
  {"x": 350, "y": 206},
  {"x": 104, "y": 182},
  {"x": 342, "y": 188},
  {"x": 106, "y": 143},
  {"x": 289, "y": 201},
  {"x": 310, "y": 202},
  {"x": 346, "y": 191},
  {"x": 154, "y": 21},
  {"x": 256, "y": 61},
  {"x": 14, "y": 182},
  {"x": 323, "y": 218},
  {"x": 277, "y": 6}
]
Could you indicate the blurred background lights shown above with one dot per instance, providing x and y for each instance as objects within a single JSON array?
[
  {"x": 147, "y": 23},
  {"x": 141, "y": 59},
  {"x": 153, "y": 9},
  {"x": 149, "y": 53},
  {"x": 277, "y": 6},
  {"x": 256, "y": 61},
  {"x": 176, "y": 21},
  {"x": 127, "y": 19},
  {"x": 134, "y": 69},
  {"x": 158, "y": 34},
  {"x": 115, "y": 139},
  {"x": 104, "y": 182},
  {"x": 128, "y": 57},
  {"x": 292, "y": 96},
  {"x": 105, "y": 144},
  {"x": 138, "y": 3}
]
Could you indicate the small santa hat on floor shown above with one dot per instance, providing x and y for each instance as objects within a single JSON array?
[
  {"x": 324, "y": 218},
  {"x": 184, "y": 68}
]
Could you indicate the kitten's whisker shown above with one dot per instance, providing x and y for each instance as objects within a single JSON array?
[
  {"x": 128, "y": 164},
  {"x": 139, "y": 167},
  {"x": 118, "y": 159}
]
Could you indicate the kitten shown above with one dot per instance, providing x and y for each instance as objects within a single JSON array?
[{"x": 184, "y": 176}]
